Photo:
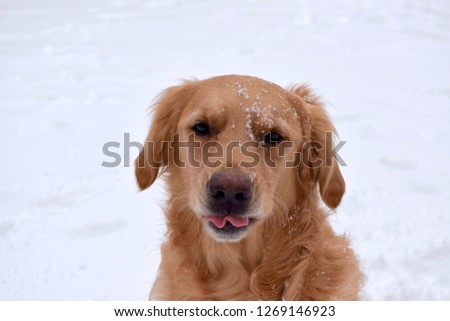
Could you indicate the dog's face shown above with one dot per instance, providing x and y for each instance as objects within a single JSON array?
[
  {"x": 239, "y": 125},
  {"x": 233, "y": 152}
]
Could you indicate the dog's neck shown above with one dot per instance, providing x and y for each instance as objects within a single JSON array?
[{"x": 213, "y": 260}]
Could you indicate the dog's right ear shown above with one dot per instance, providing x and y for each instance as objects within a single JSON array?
[
  {"x": 321, "y": 166},
  {"x": 167, "y": 110}
]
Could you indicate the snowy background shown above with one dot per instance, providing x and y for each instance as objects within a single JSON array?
[{"x": 77, "y": 74}]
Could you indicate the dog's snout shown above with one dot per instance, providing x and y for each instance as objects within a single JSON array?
[
  {"x": 230, "y": 186},
  {"x": 229, "y": 193}
]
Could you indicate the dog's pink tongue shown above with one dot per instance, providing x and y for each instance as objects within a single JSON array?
[{"x": 220, "y": 222}]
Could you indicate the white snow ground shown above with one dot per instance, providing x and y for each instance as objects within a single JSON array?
[{"x": 77, "y": 74}]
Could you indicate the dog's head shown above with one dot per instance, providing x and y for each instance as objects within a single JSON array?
[{"x": 239, "y": 149}]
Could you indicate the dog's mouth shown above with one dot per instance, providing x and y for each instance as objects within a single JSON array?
[
  {"x": 221, "y": 222},
  {"x": 229, "y": 227}
]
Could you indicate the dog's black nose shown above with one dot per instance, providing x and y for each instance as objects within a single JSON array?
[{"x": 229, "y": 193}]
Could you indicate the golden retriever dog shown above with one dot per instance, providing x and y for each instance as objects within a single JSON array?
[{"x": 252, "y": 175}]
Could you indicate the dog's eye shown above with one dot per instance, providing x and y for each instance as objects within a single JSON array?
[
  {"x": 201, "y": 129},
  {"x": 272, "y": 138}
]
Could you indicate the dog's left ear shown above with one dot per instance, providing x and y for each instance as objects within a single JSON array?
[
  {"x": 319, "y": 155},
  {"x": 155, "y": 154}
]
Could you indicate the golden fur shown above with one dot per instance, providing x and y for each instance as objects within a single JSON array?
[{"x": 291, "y": 252}]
